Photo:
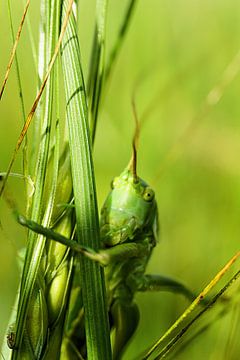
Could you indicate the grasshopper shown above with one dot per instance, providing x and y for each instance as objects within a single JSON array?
[{"x": 129, "y": 229}]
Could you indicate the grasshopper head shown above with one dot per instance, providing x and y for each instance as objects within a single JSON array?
[{"x": 129, "y": 210}]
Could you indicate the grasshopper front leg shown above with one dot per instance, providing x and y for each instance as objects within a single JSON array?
[
  {"x": 118, "y": 252},
  {"x": 103, "y": 257}
]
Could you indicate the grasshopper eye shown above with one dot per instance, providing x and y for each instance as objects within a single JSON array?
[{"x": 148, "y": 194}]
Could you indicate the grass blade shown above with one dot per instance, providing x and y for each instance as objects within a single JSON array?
[
  {"x": 25, "y": 163},
  {"x": 36, "y": 244},
  {"x": 154, "y": 352},
  {"x": 96, "y": 70},
  {"x": 35, "y": 104},
  {"x": 93, "y": 289},
  {"x": 121, "y": 35},
  {"x": 14, "y": 49}
]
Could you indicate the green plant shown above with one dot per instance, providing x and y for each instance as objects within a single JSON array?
[{"x": 55, "y": 158}]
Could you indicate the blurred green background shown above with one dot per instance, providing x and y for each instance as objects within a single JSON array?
[{"x": 175, "y": 52}]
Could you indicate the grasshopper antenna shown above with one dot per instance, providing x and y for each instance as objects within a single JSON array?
[{"x": 132, "y": 166}]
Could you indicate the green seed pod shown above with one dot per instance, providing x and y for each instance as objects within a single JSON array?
[
  {"x": 57, "y": 293},
  {"x": 37, "y": 323},
  {"x": 64, "y": 186}
]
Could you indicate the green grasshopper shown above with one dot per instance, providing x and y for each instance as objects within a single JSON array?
[{"x": 129, "y": 232}]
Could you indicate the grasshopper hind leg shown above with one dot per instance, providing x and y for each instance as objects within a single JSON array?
[
  {"x": 125, "y": 318},
  {"x": 163, "y": 283}
]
